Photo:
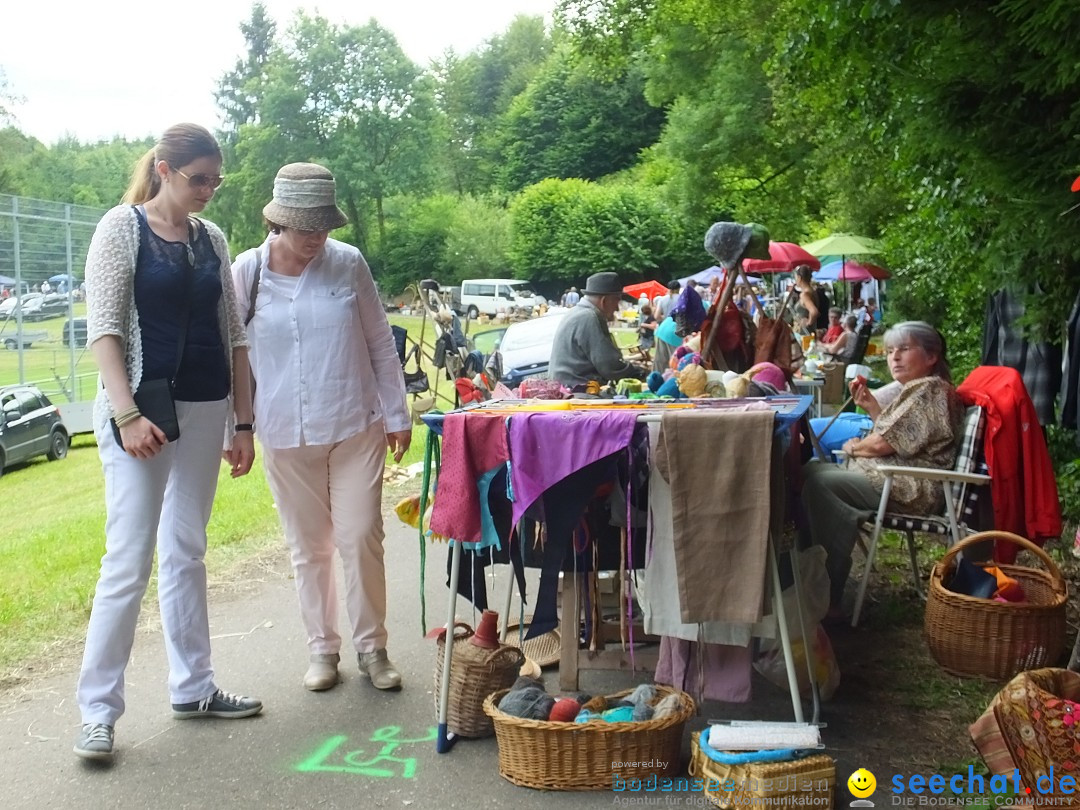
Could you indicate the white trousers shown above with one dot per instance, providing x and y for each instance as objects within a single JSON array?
[
  {"x": 165, "y": 499},
  {"x": 330, "y": 496}
]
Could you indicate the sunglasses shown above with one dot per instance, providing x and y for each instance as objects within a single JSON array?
[{"x": 201, "y": 180}]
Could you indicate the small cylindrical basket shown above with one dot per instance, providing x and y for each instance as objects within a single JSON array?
[
  {"x": 810, "y": 781},
  {"x": 984, "y": 638},
  {"x": 588, "y": 756},
  {"x": 475, "y": 672}
]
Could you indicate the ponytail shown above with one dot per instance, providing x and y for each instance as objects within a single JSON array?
[{"x": 144, "y": 183}]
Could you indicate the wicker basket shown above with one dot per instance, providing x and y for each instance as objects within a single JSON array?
[
  {"x": 544, "y": 649},
  {"x": 809, "y": 782},
  {"x": 586, "y": 756},
  {"x": 983, "y": 638},
  {"x": 475, "y": 672}
]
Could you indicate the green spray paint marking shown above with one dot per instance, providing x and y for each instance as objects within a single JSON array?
[{"x": 353, "y": 761}]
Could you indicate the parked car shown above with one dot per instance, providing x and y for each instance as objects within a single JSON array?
[
  {"x": 12, "y": 338},
  {"x": 489, "y": 295},
  {"x": 31, "y": 426},
  {"x": 75, "y": 332},
  {"x": 29, "y": 304},
  {"x": 524, "y": 350}
]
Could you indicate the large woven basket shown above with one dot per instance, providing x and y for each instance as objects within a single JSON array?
[
  {"x": 475, "y": 673},
  {"x": 983, "y": 638},
  {"x": 588, "y": 756},
  {"x": 808, "y": 782}
]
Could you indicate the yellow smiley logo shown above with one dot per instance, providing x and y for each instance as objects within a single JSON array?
[{"x": 861, "y": 783}]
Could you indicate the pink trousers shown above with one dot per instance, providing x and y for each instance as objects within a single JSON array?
[{"x": 329, "y": 497}]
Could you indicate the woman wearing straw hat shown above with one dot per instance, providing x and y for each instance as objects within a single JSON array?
[
  {"x": 161, "y": 315},
  {"x": 329, "y": 399}
]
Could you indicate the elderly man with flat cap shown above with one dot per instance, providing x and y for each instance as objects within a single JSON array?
[{"x": 583, "y": 348}]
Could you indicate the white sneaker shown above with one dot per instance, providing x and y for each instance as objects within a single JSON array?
[{"x": 322, "y": 673}]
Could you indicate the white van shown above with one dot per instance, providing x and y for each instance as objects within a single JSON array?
[{"x": 489, "y": 295}]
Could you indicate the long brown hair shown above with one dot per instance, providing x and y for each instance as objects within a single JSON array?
[{"x": 180, "y": 145}]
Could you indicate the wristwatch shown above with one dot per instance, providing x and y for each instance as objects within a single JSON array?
[{"x": 248, "y": 426}]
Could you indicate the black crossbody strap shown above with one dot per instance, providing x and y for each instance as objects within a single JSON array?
[{"x": 254, "y": 288}]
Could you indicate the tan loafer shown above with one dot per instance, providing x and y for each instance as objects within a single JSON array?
[
  {"x": 322, "y": 673},
  {"x": 377, "y": 666}
]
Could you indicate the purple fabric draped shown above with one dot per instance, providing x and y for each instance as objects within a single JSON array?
[{"x": 565, "y": 441}]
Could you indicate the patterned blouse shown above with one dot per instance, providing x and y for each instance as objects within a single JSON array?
[{"x": 922, "y": 424}]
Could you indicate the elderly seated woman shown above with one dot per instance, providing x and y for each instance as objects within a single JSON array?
[{"x": 917, "y": 429}]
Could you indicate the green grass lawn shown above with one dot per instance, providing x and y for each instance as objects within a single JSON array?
[{"x": 54, "y": 537}]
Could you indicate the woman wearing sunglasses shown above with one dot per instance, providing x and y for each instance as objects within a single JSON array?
[{"x": 161, "y": 311}]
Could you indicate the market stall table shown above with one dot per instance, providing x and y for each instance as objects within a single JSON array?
[{"x": 786, "y": 411}]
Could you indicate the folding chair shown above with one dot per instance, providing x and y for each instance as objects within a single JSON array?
[{"x": 961, "y": 495}]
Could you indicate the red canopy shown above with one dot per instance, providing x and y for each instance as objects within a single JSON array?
[
  {"x": 649, "y": 288},
  {"x": 784, "y": 258}
]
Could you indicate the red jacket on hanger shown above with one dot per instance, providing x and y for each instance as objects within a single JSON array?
[{"x": 1022, "y": 484}]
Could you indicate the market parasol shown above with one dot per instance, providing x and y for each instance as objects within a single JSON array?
[
  {"x": 784, "y": 257},
  {"x": 649, "y": 288},
  {"x": 838, "y": 270}
]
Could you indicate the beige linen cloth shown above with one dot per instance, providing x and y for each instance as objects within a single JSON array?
[{"x": 718, "y": 465}]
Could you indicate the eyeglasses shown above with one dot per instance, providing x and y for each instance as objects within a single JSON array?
[{"x": 201, "y": 180}]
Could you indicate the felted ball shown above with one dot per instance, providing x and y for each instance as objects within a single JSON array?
[{"x": 564, "y": 710}]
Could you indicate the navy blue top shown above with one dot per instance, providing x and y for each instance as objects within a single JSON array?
[{"x": 161, "y": 274}]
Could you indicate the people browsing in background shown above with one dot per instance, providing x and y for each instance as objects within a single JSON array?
[
  {"x": 161, "y": 308},
  {"x": 573, "y": 297},
  {"x": 807, "y": 297},
  {"x": 329, "y": 399},
  {"x": 835, "y": 328},
  {"x": 583, "y": 348},
  {"x": 916, "y": 429},
  {"x": 646, "y": 330},
  {"x": 46, "y": 287},
  {"x": 824, "y": 305},
  {"x": 843, "y": 346},
  {"x": 662, "y": 304}
]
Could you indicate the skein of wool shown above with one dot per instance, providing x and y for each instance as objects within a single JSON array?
[
  {"x": 530, "y": 703},
  {"x": 597, "y": 705},
  {"x": 667, "y": 706}
]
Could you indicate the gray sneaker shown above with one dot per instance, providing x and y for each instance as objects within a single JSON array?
[
  {"x": 377, "y": 666},
  {"x": 219, "y": 704},
  {"x": 95, "y": 741}
]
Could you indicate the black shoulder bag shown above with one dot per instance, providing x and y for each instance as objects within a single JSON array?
[{"x": 154, "y": 398}]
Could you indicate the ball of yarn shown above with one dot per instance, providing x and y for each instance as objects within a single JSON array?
[
  {"x": 564, "y": 710},
  {"x": 619, "y": 703},
  {"x": 529, "y": 704},
  {"x": 642, "y": 711},
  {"x": 769, "y": 373},
  {"x": 654, "y": 380}
]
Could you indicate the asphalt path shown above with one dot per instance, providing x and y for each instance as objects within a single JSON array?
[{"x": 350, "y": 747}]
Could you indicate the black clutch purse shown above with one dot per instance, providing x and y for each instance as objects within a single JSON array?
[{"x": 155, "y": 402}]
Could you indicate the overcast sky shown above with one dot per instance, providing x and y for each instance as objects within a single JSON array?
[{"x": 133, "y": 67}]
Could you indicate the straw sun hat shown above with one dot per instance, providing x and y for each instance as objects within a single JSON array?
[{"x": 304, "y": 199}]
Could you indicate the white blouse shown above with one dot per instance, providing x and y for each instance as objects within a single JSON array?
[{"x": 322, "y": 353}]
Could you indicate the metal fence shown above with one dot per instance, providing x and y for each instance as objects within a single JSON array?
[{"x": 44, "y": 241}]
